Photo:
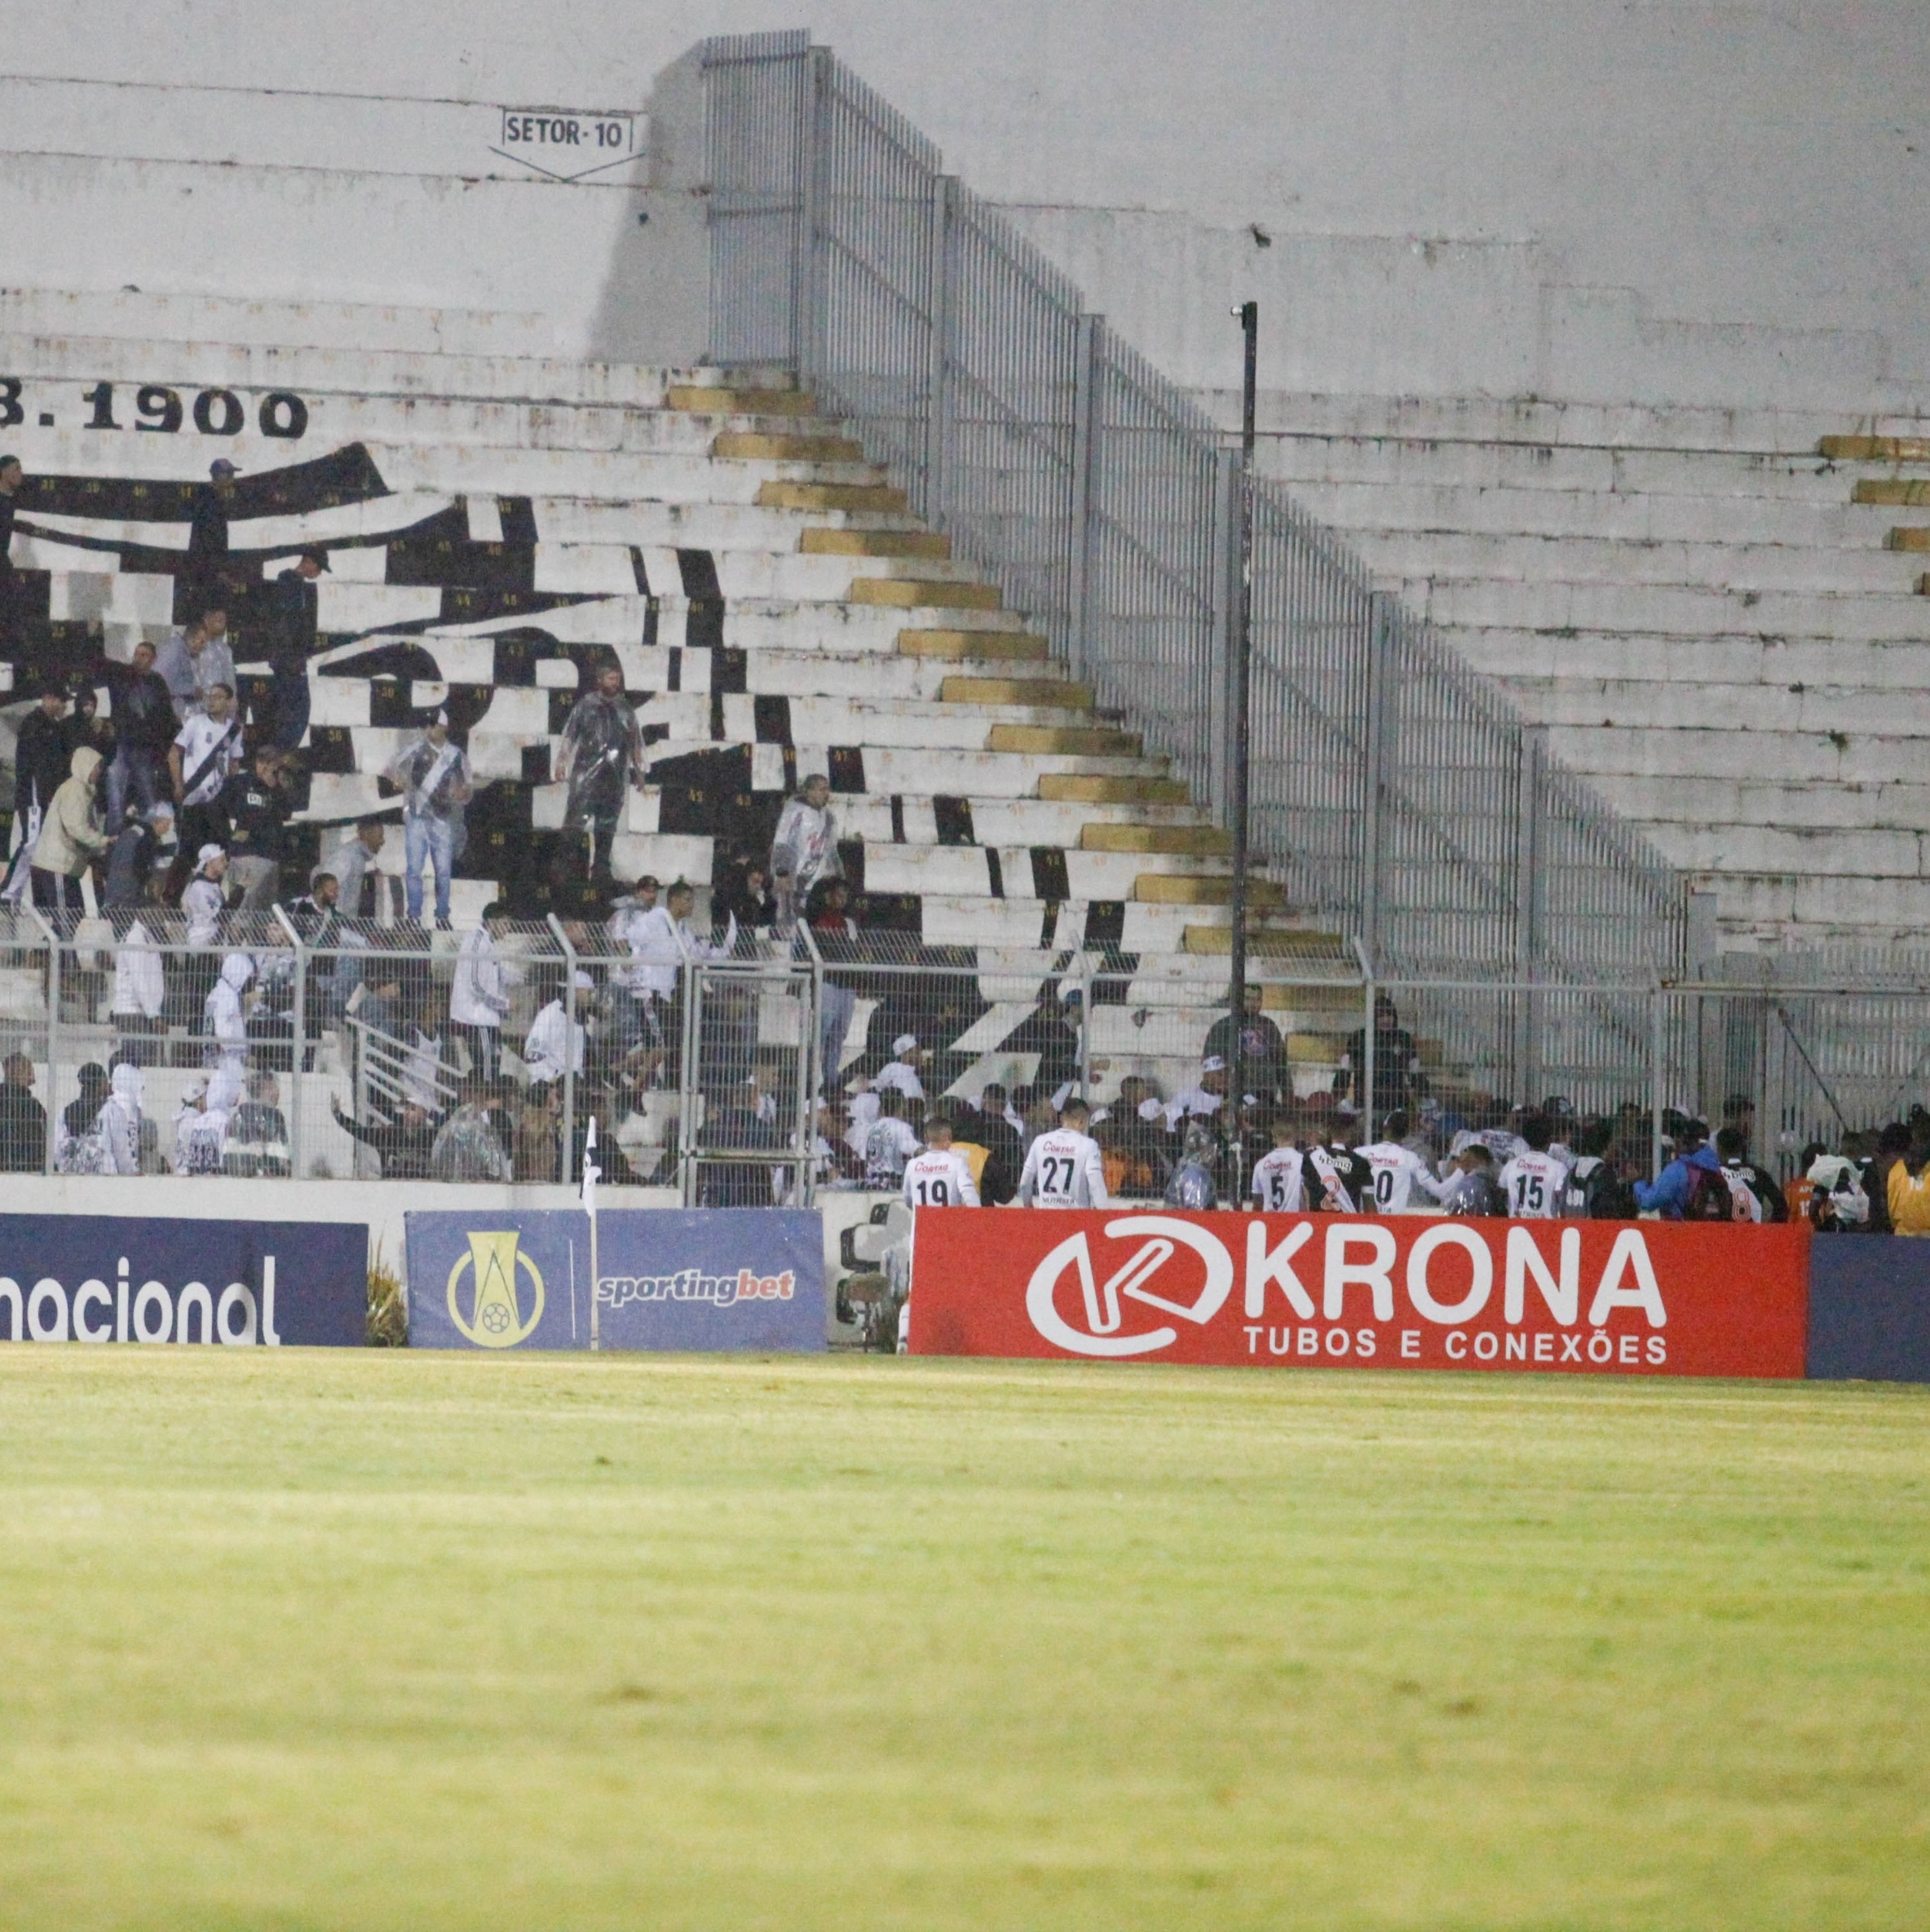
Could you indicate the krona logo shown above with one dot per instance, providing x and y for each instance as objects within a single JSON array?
[
  {"x": 1627, "y": 1280},
  {"x": 1104, "y": 1316}
]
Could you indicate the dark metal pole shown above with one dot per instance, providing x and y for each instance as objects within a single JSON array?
[{"x": 1248, "y": 313}]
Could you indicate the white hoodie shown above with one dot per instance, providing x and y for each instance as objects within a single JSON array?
[
  {"x": 119, "y": 1123},
  {"x": 222, "y": 1009},
  {"x": 140, "y": 987}
]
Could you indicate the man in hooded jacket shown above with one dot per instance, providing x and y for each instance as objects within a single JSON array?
[
  {"x": 603, "y": 757},
  {"x": 227, "y": 1024},
  {"x": 71, "y": 837}
]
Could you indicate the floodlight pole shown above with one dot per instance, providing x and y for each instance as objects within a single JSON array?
[{"x": 1248, "y": 315}]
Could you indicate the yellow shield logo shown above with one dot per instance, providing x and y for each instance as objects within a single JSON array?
[{"x": 494, "y": 1318}]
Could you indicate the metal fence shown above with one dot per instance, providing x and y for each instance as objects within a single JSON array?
[
  {"x": 323, "y": 1048},
  {"x": 1391, "y": 791}
]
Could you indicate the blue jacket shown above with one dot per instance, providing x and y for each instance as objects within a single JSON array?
[{"x": 1669, "y": 1193}]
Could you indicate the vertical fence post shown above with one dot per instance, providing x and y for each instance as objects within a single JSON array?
[
  {"x": 937, "y": 352},
  {"x": 1224, "y": 550},
  {"x": 1365, "y": 1073},
  {"x": 568, "y": 1168},
  {"x": 53, "y": 1108},
  {"x": 1380, "y": 617},
  {"x": 1656, "y": 1017},
  {"x": 804, "y": 320},
  {"x": 1085, "y": 1027},
  {"x": 1527, "y": 893},
  {"x": 812, "y": 1072},
  {"x": 299, "y": 1046},
  {"x": 1085, "y": 383}
]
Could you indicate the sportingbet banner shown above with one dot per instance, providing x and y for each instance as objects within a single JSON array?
[
  {"x": 1329, "y": 1291},
  {"x": 719, "y": 1278},
  {"x": 130, "y": 1279}
]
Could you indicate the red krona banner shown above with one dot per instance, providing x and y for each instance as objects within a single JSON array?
[{"x": 1607, "y": 1297}]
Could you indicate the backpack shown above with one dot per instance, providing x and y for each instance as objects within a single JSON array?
[
  {"x": 1709, "y": 1198},
  {"x": 1593, "y": 1193}
]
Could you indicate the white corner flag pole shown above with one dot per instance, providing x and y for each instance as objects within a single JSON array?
[{"x": 592, "y": 1174}]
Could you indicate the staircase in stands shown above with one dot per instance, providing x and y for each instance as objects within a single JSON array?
[
  {"x": 1714, "y": 614},
  {"x": 497, "y": 521}
]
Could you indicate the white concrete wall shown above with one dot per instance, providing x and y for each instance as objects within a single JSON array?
[{"x": 1692, "y": 201}]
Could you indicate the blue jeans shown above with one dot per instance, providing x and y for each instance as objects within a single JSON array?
[
  {"x": 144, "y": 772},
  {"x": 432, "y": 839}
]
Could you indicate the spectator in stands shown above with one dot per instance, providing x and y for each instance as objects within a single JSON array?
[
  {"x": 203, "y": 757},
  {"x": 22, "y": 1119},
  {"x": 536, "y": 1127},
  {"x": 1202, "y": 1101},
  {"x": 480, "y": 997},
  {"x": 137, "y": 852},
  {"x": 986, "y": 1126},
  {"x": 354, "y": 864},
  {"x": 207, "y": 533},
  {"x": 434, "y": 776},
  {"x": 195, "y": 659},
  {"x": 805, "y": 849},
  {"x": 43, "y": 761},
  {"x": 117, "y": 1126},
  {"x": 466, "y": 1147},
  {"x": 257, "y": 1133},
  {"x": 403, "y": 1145},
  {"x": 225, "y": 1011},
  {"x": 76, "y": 1123},
  {"x": 256, "y": 809},
  {"x": 72, "y": 836},
  {"x": 1673, "y": 1193},
  {"x": 888, "y": 1144},
  {"x": 602, "y": 758},
  {"x": 202, "y": 1122},
  {"x": 293, "y": 616},
  {"x": 12, "y": 477},
  {"x": 554, "y": 1044},
  {"x": 1471, "y": 1187},
  {"x": 1047, "y": 1031},
  {"x": 1399, "y": 1078},
  {"x": 140, "y": 988},
  {"x": 746, "y": 896},
  {"x": 900, "y": 1075},
  {"x": 1263, "y": 1053},
  {"x": 205, "y": 899},
  {"x": 835, "y": 933},
  {"x": 144, "y": 727}
]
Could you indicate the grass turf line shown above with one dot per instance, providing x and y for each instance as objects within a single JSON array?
[{"x": 318, "y": 1640}]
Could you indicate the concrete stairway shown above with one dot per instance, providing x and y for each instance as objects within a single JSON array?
[
  {"x": 1712, "y": 614},
  {"x": 497, "y": 521}
]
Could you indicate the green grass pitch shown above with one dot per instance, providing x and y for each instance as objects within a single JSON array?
[{"x": 397, "y": 1641}]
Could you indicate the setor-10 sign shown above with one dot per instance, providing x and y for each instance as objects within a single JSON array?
[{"x": 1330, "y": 1291}]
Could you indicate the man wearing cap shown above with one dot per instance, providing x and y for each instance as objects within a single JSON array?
[
  {"x": 207, "y": 534},
  {"x": 202, "y": 758},
  {"x": 901, "y": 1074},
  {"x": 195, "y": 657},
  {"x": 294, "y": 619},
  {"x": 603, "y": 757},
  {"x": 434, "y": 777},
  {"x": 554, "y": 1044},
  {"x": 1201, "y": 1102},
  {"x": 12, "y": 477}
]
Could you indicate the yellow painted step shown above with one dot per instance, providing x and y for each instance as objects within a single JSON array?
[
  {"x": 787, "y": 450},
  {"x": 959, "y": 645},
  {"x": 1169, "y": 888},
  {"x": 1091, "y": 788},
  {"x": 904, "y": 593},
  {"x": 1309, "y": 946},
  {"x": 1874, "y": 449},
  {"x": 1319, "y": 1049},
  {"x": 1058, "y": 692},
  {"x": 719, "y": 398},
  {"x": 1905, "y": 492},
  {"x": 1199, "y": 842},
  {"x": 875, "y": 543},
  {"x": 1914, "y": 539},
  {"x": 1068, "y": 740},
  {"x": 785, "y": 495}
]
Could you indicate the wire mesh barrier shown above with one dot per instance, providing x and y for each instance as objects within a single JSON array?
[{"x": 1392, "y": 792}]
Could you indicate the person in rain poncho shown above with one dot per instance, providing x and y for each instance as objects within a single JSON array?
[
  {"x": 118, "y": 1124},
  {"x": 200, "y": 1123},
  {"x": 227, "y": 1023},
  {"x": 805, "y": 847},
  {"x": 466, "y": 1147},
  {"x": 1191, "y": 1185},
  {"x": 603, "y": 757},
  {"x": 434, "y": 776}
]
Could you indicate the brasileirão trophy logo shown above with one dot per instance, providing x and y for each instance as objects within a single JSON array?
[{"x": 496, "y": 1318}]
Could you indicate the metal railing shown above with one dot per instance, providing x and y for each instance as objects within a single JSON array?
[{"x": 1393, "y": 793}]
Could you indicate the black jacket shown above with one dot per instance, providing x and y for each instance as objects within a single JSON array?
[
  {"x": 143, "y": 708},
  {"x": 7, "y": 505},
  {"x": 1263, "y": 1051},
  {"x": 295, "y": 610},
  {"x": 257, "y": 814},
  {"x": 207, "y": 524},
  {"x": 43, "y": 756},
  {"x": 22, "y": 1130}
]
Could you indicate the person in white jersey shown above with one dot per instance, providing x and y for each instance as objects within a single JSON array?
[
  {"x": 1279, "y": 1182},
  {"x": 1399, "y": 1170},
  {"x": 937, "y": 1178},
  {"x": 1535, "y": 1181},
  {"x": 1063, "y": 1166}
]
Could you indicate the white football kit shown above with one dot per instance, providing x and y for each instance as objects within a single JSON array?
[
  {"x": 1533, "y": 1184},
  {"x": 1397, "y": 1171},
  {"x": 1279, "y": 1182},
  {"x": 939, "y": 1178},
  {"x": 1063, "y": 1169}
]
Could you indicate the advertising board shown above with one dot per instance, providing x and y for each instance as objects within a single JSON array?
[
  {"x": 1326, "y": 1291},
  {"x": 112, "y": 1278},
  {"x": 720, "y": 1278}
]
